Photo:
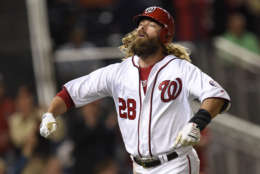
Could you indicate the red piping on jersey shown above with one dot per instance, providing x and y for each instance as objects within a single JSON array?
[
  {"x": 139, "y": 112},
  {"x": 189, "y": 163},
  {"x": 134, "y": 62},
  {"x": 151, "y": 105},
  {"x": 140, "y": 98}
]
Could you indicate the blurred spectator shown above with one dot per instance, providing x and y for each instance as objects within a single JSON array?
[
  {"x": 6, "y": 109},
  {"x": 23, "y": 122},
  {"x": 33, "y": 155},
  {"x": 124, "y": 11},
  {"x": 237, "y": 33},
  {"x": 62, "y": 17},
  {"x": 53, "y": 166},
  {"x": 106, "y": 20},
  {"x": 223, "y": 8},
  {"x": 64, "y": 155},
  {"x": 29, "y": 161},
  {"x": 242, "y": 7},
  {"x": 122, "y": 157},
  {"x": 192, "y": 18},
  {"x": 108, "y": 166},
  {"x": 23, "y": 131},
  {"x": 78, "y": 39},
  {"x": 93, "y": 141},
  {"x": 254, "y": 5},
  {"x": 2, "y": 166}
]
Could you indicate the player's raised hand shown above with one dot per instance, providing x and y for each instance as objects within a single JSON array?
[
  {"x": 48, "y": 124},
  {"x": 189, "y": 135}
]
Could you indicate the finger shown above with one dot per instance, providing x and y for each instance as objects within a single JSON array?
[
  {"x": 54, "y": 127},
  {"x": 193, "y": 137},
  {"x": 177, "y": 141},
  {"x": 51, "y": 126},
  {"x": 193, "y": 141},
  {"x": 47, "y": 133},
  {"x": 185, "y": 141},
  {"x": 189, "y": 141},
  {"x": 44, "y": 132}
]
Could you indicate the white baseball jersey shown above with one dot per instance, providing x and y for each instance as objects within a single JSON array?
[{"x": 149, "y": 122}]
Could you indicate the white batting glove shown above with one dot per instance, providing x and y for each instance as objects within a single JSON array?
[
  {"x": 189, "y": 135},
  {"x": 48, "y": 124}
]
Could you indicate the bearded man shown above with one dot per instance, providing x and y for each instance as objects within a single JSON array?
[{"x": 152, "y": 89}]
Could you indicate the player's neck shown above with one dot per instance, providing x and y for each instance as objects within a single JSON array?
[{"x": 151, "y": 60}]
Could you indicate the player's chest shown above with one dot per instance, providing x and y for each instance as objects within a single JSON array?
[{"x": 160, "y": 86}]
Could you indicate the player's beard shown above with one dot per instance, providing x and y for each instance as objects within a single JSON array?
[{"x": 145, "y": 47}]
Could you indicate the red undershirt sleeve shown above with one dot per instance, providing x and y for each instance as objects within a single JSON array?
[{"x": 66, "y": 98}]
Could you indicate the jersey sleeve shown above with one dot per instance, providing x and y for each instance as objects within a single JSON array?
[
  {"x": 91, "y": 87},
  {"x": 201, "y": 86}
]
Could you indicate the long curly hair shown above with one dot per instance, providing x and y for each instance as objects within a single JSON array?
[{"x": 169, "y": 48}]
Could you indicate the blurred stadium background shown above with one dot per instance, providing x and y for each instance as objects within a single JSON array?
[{"x": 45, "y": 43}]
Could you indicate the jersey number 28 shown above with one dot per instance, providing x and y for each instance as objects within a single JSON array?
[{"x": 127, "y": 108}]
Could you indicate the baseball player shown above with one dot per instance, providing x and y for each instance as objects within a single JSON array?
[{"x": 152, "y": 89}]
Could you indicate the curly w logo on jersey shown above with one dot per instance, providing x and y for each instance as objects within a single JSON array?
[{"x": 170, "y": 89}]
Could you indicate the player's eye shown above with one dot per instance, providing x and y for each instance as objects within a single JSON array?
[
  {"x": 152, "y": 25},
  {"x": 140, "y": 24}
]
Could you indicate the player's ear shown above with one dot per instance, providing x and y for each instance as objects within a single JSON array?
[
  {"x": 167, "y": 37},
  {"x": 164, "y": 36}
]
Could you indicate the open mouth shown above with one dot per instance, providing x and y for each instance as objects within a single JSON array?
[{"x": 141, "y": 35}]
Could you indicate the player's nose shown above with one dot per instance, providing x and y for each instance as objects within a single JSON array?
[
  {"x": 140, "y": 28},
  {"x": 141, "y": 31}
]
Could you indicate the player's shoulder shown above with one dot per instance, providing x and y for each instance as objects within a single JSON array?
[
  {"x": 182, "y": 64},
  {"x": 178, "y": 61},
  {"x": 120, "y": 65},
  {"x": 128, "y": 62}
]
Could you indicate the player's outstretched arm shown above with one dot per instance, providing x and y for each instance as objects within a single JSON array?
[
  {"x": 190, "y": 134},
  {"x": 57, "y": 106},
  {"x": 48, "y": 124}
]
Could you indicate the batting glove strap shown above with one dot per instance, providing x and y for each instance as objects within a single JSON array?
[{"x": 202, "y": 118}]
